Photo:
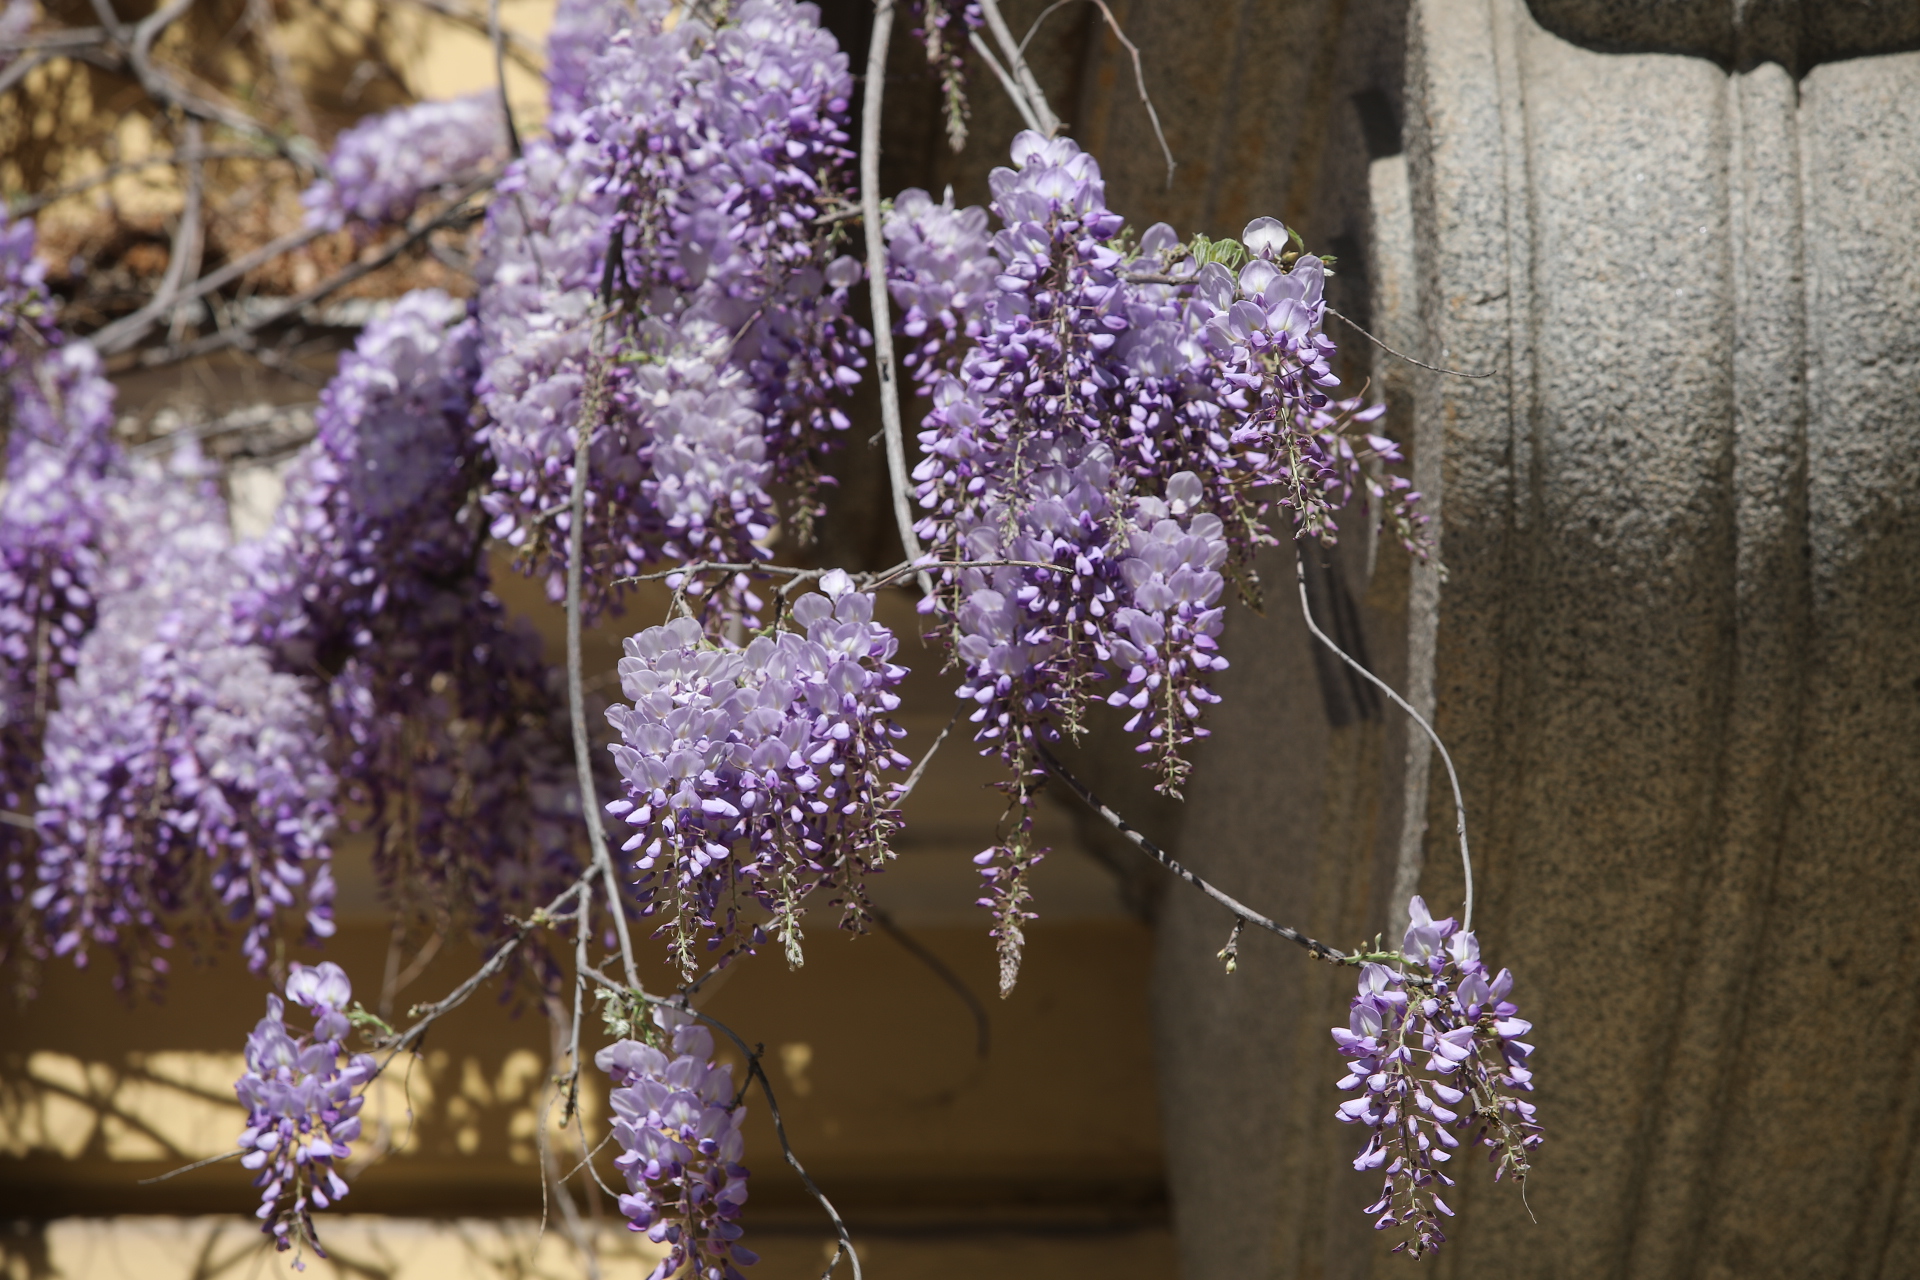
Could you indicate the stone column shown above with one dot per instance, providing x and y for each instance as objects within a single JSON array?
[{"x": 1674, "y": 651}]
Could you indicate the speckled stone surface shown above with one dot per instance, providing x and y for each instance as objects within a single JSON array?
[{"x": 1675, "y": 648}]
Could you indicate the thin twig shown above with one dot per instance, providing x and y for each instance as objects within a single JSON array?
[
  {"x": 183, "y": 258},
  {"x": 498, "y": 40},
  {"x": 12, "y": 819},
  {"x": 920, "y": 768},
  {"x": 189, "y": 1168},
  {"x": 1159, "y": 855},
  {"x": 454, "y": 213},
  {"x": 1047, "y": 123},
  {"x": 1401, "y": 355},
  {"x": 982, "y": 1025},
  {"x": 590, "y": 410},
  {"x": 33, "y": 204},
  {"x": 1139, "y": 73},
  {"x": 426, "y": 1016},
  {"x": 883, "y": 360},
  {"x": 20, "y": 68},
  {"x": 1019, "y": 99},
  {"x": 1459, "y": 805},
  {"x": 64, "y": 38}
]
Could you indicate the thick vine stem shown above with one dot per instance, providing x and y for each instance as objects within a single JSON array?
[
  {"x": 1459, "y": 805},
  {"x": 884, "y": 365},
  {"x": 1244, "y": 913}
]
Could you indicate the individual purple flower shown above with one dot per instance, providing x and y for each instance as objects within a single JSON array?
[
  {"x": 303, "y": 1106},
  {"x": 385, "y": 166},
  {"x": 677, "y": 1120},
  {"x": 1434, "y": 1054},
  {"x": 178, "y": 757},
  {"x": 756, "y": 771}
]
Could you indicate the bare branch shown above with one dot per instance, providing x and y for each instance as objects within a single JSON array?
[
  {"x": 1401, "y": 355},
  {"x": 982, "y": 1025},
  {"x": 591, "y": 407},
  {"x": 1014, "y": 92},
  {"x": 920, "y": 769},
  {"x": 1139, "y": 73},
  {"x": 1046, "y": 122},
  {"x": 65, "y": 38},
  {"x": 1459, "y": 805},
  {"x": 497, "y": 37},
  {"x": 1240, "y": 909},
  {"x": 883, "y": 359},
  {"x": 34, "y": 204},
  {"x": 456, "y": 213},
  {"x": 183, "y": 258},
  {"x": 425, "y": 1017},
  {"x": 189, "y": 1168}
]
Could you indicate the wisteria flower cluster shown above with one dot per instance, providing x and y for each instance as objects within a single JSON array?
[
  {"x": 178, "y": 756},
  {"x": 1109, "y": 432},
  {"x": 57, "y": 410},
  {"x": 1434, "y": 1051},
  {"x": 688, "y": 181},
  {"x": 444, "y": 718},
  {"x": 943, "y": 39},
  {"x": 677, "y": 1122},
  {"x": 940, "y": 272},
  {"x": 752, "y": 775},
  {"x": 385, "y": 166},
  {"x": 303, "y": 1105}
]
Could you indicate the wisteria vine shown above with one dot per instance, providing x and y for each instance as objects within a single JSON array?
[{"x": 657, "y": 359}]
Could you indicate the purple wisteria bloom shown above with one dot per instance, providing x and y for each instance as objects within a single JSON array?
[
  {"x": 446, "y": 726},
  {"x": 56, "y": 406},
  {"x": 944, "y": 41},
  {"x": 1114, "y": 427},
  {"x": 303, "y": 1106},
  {"x": 677, "y": 1121},
  {"x": 755, "y": 772},
  {"x": 940, "y": 271},
  {"x": 1434, "y": 1051},
  {"x": 386, "y": 165},
  {"x": 707, "y": 154},
  {"x": 178, "y": 757}
]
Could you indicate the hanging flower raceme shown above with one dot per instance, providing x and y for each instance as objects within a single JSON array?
[
  {"x": 940, "y": 271},
  {"x": 178, "y": 757},
  {"x": 710, "y": 155},
  {"x": 677, "y": 1120},
  {"x": 754, "y": 773},
  {"x": 56, "y": 406},
  {"x": 1110, "y": 431},
  {"x": 385, "y": 166},
  {"x": 446, "y": 726},
  {"x": 303, "y": 1097},
  {"x": 944, "y": 39},
  {"x": 1434, "y": 1051}
]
